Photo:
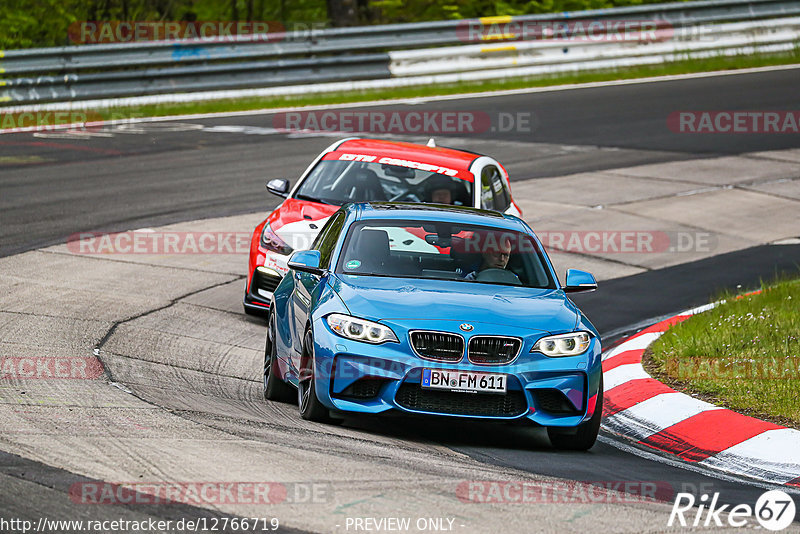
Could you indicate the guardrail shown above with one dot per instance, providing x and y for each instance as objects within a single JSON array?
[
  {"x": 386, "y": 55},
  {"x": 716, "y": 39}
]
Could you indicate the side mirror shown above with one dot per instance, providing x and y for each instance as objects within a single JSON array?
[
  {"x": 579, "y": 281},
  {"x": 306, "y": 261},
  {"x": 278, "y": 187}
]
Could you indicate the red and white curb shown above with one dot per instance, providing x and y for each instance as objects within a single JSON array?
[{"x": 640, "y": 408}]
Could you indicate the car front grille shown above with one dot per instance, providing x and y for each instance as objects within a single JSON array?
[
  {"x": 493, "y": 349},
  {"x": 438, "y": 346},
  {"x": 555, "y": 402},
  {"x": 414, "y": 397}
]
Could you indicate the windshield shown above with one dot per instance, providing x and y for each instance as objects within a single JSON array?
[
  {"x": 340, "y": 182},
  {"x": 444, "y": 251}
]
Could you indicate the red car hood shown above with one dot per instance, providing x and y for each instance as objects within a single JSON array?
[{"x": 297, "y": 222}]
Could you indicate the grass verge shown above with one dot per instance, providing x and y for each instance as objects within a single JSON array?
[
  {"x": 744, "y": 354},
  {"x": 718, "y": 63}
]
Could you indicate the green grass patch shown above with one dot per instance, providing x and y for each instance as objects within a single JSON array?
[
  {"x": 718, "y": 63},
  {"x": 743, "y": 354}
]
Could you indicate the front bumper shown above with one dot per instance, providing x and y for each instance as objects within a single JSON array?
[
  {"x": 359, "y": 377},
  {"x": 258, "y": 294}
]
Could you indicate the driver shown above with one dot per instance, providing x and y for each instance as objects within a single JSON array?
[
  {"x": 440, "y": 189},
  {"x": 494, "y": 257},
  {"x": 441, "y": 196}
]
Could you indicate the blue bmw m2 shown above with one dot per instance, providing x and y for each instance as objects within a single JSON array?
[{"x": 434, "y": 310}]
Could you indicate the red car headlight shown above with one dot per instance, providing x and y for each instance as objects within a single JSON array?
[{"x": 271, "y": 241}]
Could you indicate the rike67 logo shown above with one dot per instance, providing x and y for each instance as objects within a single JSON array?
[{"x": 774, "y": 510}]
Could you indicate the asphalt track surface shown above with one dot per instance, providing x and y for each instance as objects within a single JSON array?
[{"x": 54, "y": 187}]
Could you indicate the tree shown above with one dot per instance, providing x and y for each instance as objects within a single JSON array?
[{"x": 343, "y": 13}]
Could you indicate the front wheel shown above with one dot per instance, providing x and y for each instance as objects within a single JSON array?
[
  {"x": 586, "y": 434},
  {"x": 311, "y": 408}
]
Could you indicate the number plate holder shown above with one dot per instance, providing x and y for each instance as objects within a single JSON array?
[{"x": 464, "y": 381}]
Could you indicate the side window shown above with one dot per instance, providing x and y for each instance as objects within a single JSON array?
[
  {"x": 505, "y": 195},
  {"x": 326, "y": 240},
  {"x": 494, "y": 194}
]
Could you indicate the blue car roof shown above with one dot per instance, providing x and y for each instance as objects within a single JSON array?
[{"x": 433, "y": 212}]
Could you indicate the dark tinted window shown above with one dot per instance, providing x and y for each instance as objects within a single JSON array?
[
  {"x": 444, "y": 251},
  {"x": 326, "y": 240}
]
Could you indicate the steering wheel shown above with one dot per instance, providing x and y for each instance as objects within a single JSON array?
[
  {"x": 411, "y": 195},
  {"x": 500, "y": 276}
]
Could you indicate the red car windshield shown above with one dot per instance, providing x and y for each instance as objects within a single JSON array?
[{"x": 340, "y": 182}]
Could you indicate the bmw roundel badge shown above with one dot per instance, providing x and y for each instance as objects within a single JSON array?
[{"x": 466, "y": 327}]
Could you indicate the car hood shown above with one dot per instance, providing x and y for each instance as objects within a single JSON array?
[
  {"x": 297, "y": 222},
  {"x": 383, "y": 298}
]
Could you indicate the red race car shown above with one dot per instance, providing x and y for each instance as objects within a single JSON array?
[{"x": 362, "y": 170}]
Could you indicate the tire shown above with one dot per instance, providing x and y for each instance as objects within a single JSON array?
[
  {"x": 311, "y": 409},
  {"x": 275, "y": 389},
  {"x": 584, "y": 438}
]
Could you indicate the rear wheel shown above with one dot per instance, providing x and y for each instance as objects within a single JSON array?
[
  {"x": 274, "y": 388},
  {"x": 311, "y": 408},
  {"x": 584, "y": 438}
]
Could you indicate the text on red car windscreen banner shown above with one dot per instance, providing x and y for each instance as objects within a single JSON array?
[{"x": 400, "y": 162}]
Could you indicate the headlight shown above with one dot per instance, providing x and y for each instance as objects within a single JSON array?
[
  {"x": 563, "y": 344},
  {"x": 360, "y": 329},
  {"x": 271, "y": 241}
]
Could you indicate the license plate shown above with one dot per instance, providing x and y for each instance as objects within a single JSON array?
[{"x": 466, "y": 381}]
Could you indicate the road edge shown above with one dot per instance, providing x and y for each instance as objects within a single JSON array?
[{"x": 654, "y": 416}]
